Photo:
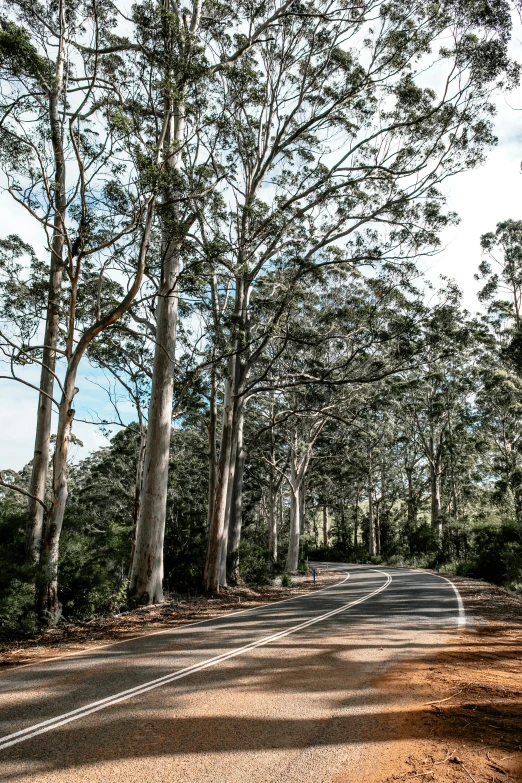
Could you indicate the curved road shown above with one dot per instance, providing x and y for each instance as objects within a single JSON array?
[{"x": 282, "y": 692}]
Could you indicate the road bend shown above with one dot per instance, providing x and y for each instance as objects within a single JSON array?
[{"x": 282, "y": 692}]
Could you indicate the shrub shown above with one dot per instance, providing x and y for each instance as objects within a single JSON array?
[
  {"x": 496, "y": 555},
  {"x": 17, "y": 597},
  {"x": 256, "y": 565},
  {"x": 286, "y": 581}
]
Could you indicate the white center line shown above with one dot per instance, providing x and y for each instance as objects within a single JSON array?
[{"x": 88, "y": 709}]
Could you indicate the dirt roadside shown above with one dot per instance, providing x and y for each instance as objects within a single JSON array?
[
  {"x": 462, "y": 717},
  {"x": 68, "y": 638}
]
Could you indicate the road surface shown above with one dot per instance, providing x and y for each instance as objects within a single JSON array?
[{"x": 282, "y": 692}]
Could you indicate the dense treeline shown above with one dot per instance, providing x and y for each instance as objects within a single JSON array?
[{"x": 232, "y": 201}]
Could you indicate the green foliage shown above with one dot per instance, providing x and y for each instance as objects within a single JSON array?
[
  {"x": 286, "y": 581},
  {"x": 256, "y": 564},
  {"x": 496, "y": 555},
  {"x": 17, "y": 596},
  {"x": 186, "y": 527},
  {"x": 19, "y": 57},
  {"x": 422, "y": 540}
]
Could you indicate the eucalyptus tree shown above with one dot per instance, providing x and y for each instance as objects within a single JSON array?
[
  {"x": 98, "y": 224},
  {"x": 334, "y": 154},
  {"x": 437, "y": 393},
  {"x": 501, "y": 269},
  {"x": 179, "y": 52},
  {"x": 35, "y": 54}
]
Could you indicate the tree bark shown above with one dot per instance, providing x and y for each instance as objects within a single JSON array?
[
  {"x": 212, "y": 451},
  {"x": 272, "y": 516},
  {"x": 435, "y": 456},
  {"x": 326, "y": 528},
  {"x": 372, "y": 538},
  {"x": 40, "y": 466},
  {"x": 411, "y": 503},
  {"x": 356, "y": 520},
  {"x": 223, "y": 555},
  {"x": 137, "y": 492},
  {"x": 377, "y": 516},
  {"x": 436, "y": 520},
  {"x": 292, "y": 560},
  {"x": 233, "y": 411},
  {"x": 146, "y": 582},
  {"x": 236, "y": 504},
  {"x": 48, "y": 604},
  {"x": 216, "y": 539}
]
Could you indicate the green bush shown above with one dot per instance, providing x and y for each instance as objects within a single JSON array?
[
  {"x": 17, "y": 615},
  {"x": 466, "y": 568},
  {"x": 286, "y": 581},
  {"x": 17, "y": 596},
  {"x": 256, "y": 564},
  {"x": 496, "y": 555}
]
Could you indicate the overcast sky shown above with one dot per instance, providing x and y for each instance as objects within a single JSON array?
[{"x": 481, "y": 197}]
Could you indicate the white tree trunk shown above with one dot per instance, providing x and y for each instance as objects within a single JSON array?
[
  {"x": 228, "y": 505},
  {"x": 326, "y": 527},
  {"x": 48, "y": 603},
  {"x": 272, "y": 517},
  {"x": 292, "y": 560},
  {"x": 372, "y": 533},
  {"x": 236, "y": 500},
  {"x": 216, "y": 540},
  {"x": 436, "y": 518},
  {"x": 146, "y": 581},
  {"x": 40, "y": 466}
]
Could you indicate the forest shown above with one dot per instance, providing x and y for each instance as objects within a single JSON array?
[{"x": 235, "y": 202}]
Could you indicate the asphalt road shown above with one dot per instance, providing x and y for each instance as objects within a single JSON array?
[{"x": 282, "y": 692}]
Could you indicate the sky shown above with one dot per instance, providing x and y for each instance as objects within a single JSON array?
[
  {"x": 481, "y": 197},
  {"x": 484, "y": 196}
]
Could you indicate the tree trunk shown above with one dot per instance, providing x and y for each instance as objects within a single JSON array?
[
  {"x": 216, "y": 539},
  {"x": 146, "y": 582},
  {"x": 377, "y": 516},
  {"x": 223, "y": 554},
  {"x": 137, "y": 493},
  {"x": 292, "y": 560},
  {"x": 372, "y": 538},
  {"x": 40, "y": 466},
  {"x": 436, "y": 519},
  {"x": 272, "y": 516},
  {"x": 48, "y": 604},
  {"x": 326, "y": 529},
  {"x": 356, "y": 520},
  {"x": 411, "y": 503},
  {"x": 236, "y": 504},
  {"x": 212, "y": 452},
  {"x": 342, "y": 526}
]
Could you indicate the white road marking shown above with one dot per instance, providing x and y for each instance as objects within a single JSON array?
[
  {"x": 461, "y": 618},
  {"x": 88, "y": 709},
  {"x": 171, "y": 629}
]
